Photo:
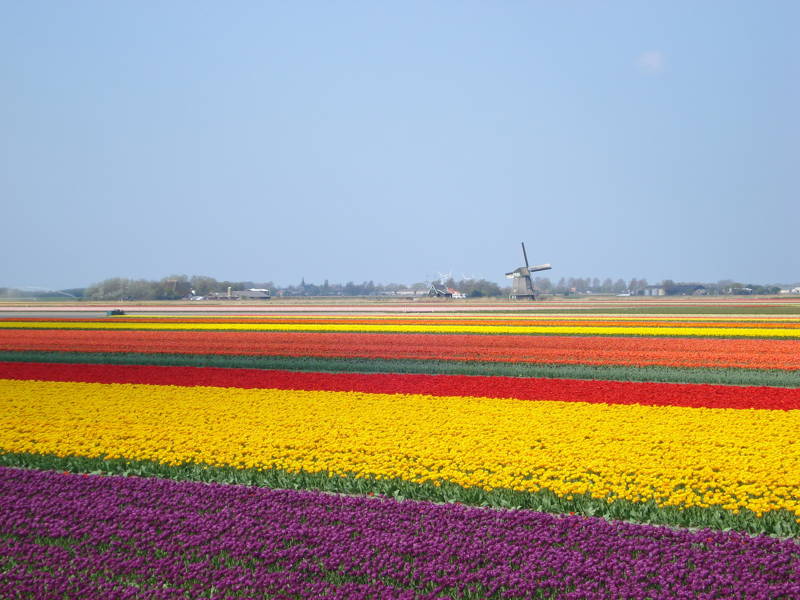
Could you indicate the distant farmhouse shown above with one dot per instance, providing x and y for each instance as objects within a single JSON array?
[
  {"x": 439, "y": 290},
  {"x": 673, "y": 289},
  {"x": 404, "y": 293},
  {"x": 251, "y": 294},
  {"x": 652, "y": 290}
]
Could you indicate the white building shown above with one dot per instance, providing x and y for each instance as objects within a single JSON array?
[{"x": 456, "y": 293}]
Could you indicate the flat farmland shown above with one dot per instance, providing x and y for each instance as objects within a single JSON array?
[{"x": 604, "y": 448}]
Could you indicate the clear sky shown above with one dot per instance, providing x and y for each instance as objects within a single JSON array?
[{"x": 394, "y": 141}]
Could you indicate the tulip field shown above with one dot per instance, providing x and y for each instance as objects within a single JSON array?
[{"x": 557, "y": 450}]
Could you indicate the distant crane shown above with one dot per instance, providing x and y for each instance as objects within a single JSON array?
[{"x": 521, "y": 284}]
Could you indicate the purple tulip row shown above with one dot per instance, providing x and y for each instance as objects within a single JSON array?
[{"x": 64, "y": 535}]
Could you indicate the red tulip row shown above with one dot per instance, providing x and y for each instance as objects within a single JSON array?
[{"x": 563, "y": 390}]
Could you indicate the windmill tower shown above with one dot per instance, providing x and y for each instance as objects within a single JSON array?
[{"x": 521, "y": 284}]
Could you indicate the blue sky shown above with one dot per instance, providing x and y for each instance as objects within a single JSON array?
[{"x": 394, "y": 141}]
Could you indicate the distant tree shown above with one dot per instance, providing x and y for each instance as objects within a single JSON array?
[
  {"x": 478, "y": 288},
  {"x": 140, "y": 289},
  {"x": 763, "y": 289},
  {"x": 108, "y": 289},
  {"x": 173, "y": 287},
  {"x": 203, "y": 285}
]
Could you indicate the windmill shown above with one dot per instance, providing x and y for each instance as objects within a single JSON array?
[
  {"x": 439, "y": 289},
  {"x": 521, "y": 284}
]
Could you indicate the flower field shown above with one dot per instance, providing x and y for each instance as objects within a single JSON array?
[{"x": 360, "y": 455}]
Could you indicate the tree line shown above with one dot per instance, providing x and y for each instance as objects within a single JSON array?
[
  {"x": 594, "y": 285},
  {"x": 175, "y": 287},
  {"x": 635, "y": 287}
]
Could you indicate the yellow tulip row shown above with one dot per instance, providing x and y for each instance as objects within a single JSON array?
[
  {"x": 763, "y": 332},
  {"x": 676, "y": 456}
]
